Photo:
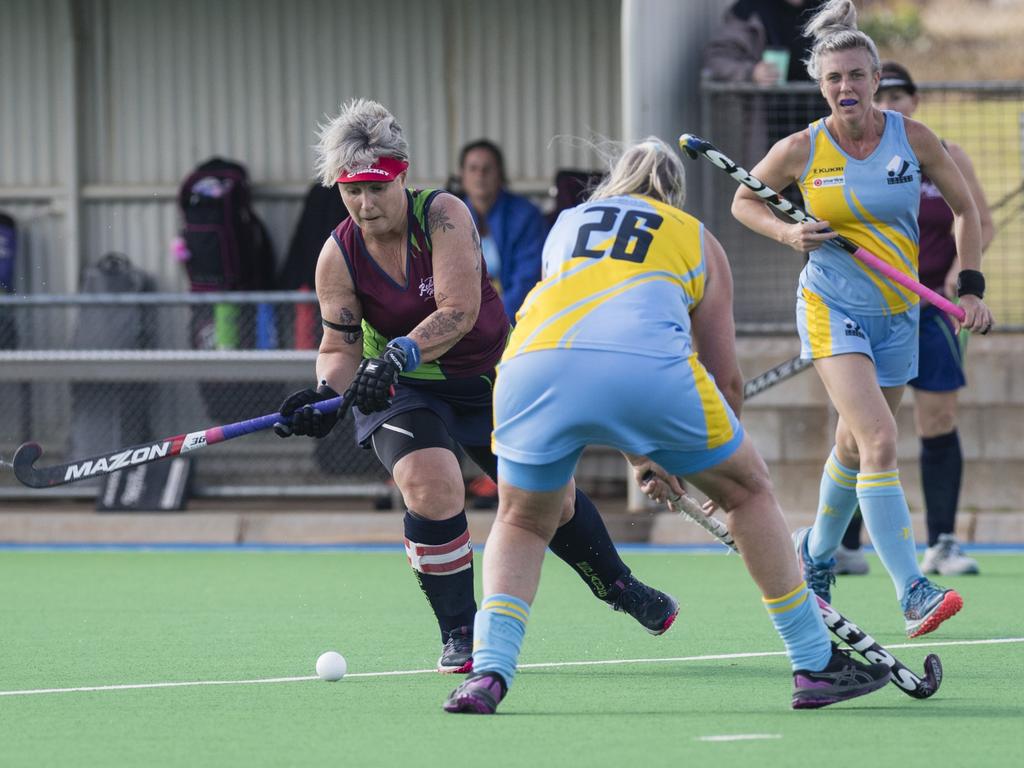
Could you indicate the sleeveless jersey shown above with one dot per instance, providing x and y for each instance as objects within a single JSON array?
[
  {"x": 938, "y": 246},
  {"x": 873, "y": 202},
  {"x": 391, "y": 309},
  {"x": 620, "y": 274}
]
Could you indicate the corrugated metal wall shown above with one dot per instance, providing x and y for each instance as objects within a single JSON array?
[{"x": 164, "y": 84}]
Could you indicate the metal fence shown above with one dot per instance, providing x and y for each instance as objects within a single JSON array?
[
  {"x": 89, "y": 373},
  {"x": 986, "y": 119}
]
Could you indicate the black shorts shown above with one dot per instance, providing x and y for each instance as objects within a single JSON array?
[{"x": 433, "y": 414}]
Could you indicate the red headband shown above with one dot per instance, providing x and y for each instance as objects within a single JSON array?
[{"x": 385, "y": 169}]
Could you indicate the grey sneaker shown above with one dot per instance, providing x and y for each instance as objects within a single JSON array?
[
  {"x": 926, "y": 605},
  {"x": 656, "y": 611},
  {"x": 851, "y": 562},
  {"x": 844, "y": 678},
  {"x": 819, "y": 576},
  {"x": 477, "y": 695},
  {"x": 457, "y": 654},
  {"x": 947, "y": 559}
]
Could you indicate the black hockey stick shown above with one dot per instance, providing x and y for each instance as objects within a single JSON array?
[
  {"x": 773, "y": 376},
  {"x": 106, "y": 463},
  {"x": 841, "y": 627},
  {"x": 694, "y": 145}
]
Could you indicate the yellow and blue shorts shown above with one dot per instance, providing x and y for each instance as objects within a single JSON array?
[
  {"x": 890, "y": 341},
  {"x": 550, "y": 404}
]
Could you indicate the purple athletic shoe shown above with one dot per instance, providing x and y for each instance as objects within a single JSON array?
[
  {"x": 477, "y": 695},
  {"x": 844, "y": 678}
]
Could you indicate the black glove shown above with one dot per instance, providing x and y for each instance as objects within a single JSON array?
[
  {"x": 305, "y": 418},
  {"x": 374, "y": 384}
]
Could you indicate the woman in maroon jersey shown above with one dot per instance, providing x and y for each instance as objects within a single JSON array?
[
  {"x": 941, "y": 361},
  {"x": 413, "y": 331}
]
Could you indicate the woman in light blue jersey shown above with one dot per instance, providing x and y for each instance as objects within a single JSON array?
[
  {"x": 859, "y": 170},
  {"x": 625, "y": 343}
]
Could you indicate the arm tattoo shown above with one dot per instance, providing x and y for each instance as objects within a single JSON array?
[
  {"x": 348, "y": 318},
  {"x": 479, "y": 249},
  {"x": 438, "y": 330},
  {"x": 437, "y": 219}
]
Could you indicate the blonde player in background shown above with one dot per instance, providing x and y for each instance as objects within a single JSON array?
[{"x": 859, "y": 170}]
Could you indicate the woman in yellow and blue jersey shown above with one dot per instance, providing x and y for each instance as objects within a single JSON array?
[
  {"x": 859, "y": 170},
  {"x": 628, "y": 341}
]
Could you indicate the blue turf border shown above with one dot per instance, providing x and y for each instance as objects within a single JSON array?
[{"x": 1002, "y": 548}]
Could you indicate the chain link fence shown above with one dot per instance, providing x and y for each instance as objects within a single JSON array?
[
  {"x": 986, "y": 119},
  {"x": 89, "y": 373}
]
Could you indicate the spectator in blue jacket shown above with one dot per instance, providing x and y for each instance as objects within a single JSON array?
[{"x": 511, "y": 228}]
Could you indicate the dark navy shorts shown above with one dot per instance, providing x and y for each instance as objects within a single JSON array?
[
  {"x": 940, "y": 366},
  {"x": 422, "y": 412}
]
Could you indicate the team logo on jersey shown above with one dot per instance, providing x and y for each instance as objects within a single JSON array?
[
  {"x": 829, "y": 181},
  {"x": 852, "y": 329},
  {"x": 427, "y": 288},
  {"x": 896, "y": 171}
]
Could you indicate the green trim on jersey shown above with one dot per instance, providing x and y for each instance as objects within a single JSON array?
[{"x": 373, "y": 346}]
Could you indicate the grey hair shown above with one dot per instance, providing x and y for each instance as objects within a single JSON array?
[
  {"x": 650, "y": 167},
  {"x": 834, "y": 28},
  {"x": 363, "y": 132}
]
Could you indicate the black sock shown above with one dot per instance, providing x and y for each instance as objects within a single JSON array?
[
  {"x": 447, "y": 580},
  {"x": 851, "y": 539},
  {"x": 584, "y": 543},
  {"x": 941, "y": 469}
]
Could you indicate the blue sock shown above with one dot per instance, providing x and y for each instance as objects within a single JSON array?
[
  {"x": 498, "y": 635},
  {"x": 887, "y": 517},
  {"x": 837, "y": 501},
  {"x": 798, "y": 621}
]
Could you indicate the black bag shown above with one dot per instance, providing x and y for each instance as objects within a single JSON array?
[
  {"x": 229, "y": 249},
  {"x": 8, "y": 250},
  {"x": 8, "y": 260}
]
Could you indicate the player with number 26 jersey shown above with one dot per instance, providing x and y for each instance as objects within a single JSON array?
[{"x": 621, "y": 275}]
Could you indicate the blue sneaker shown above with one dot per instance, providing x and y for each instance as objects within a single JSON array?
[
  {"x": 477, "y": 695},
  {"x": 819, "y": 576},
  {"x": 925, "y": 606}
]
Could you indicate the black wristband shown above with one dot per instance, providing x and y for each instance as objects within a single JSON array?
[
  {"x": 970, "y": 281},
  {"x": 342, "y": 328}
]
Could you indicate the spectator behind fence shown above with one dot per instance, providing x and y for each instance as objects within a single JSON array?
[
  {"x": 762, "y": 42},
  {"x": 940, "y": 372},
  {"x": 511, "y": 228}
]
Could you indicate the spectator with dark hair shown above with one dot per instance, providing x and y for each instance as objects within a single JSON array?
[{"x": 511, "y": 228}]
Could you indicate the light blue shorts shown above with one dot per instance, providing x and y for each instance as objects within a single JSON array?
[
  {"x": 890, "y": 341},
  {"x": 549, "y": 405}
]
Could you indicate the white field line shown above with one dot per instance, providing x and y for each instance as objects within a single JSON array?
[
  {"x": 542, "y": 665},
  {"x": 740, "y": 737}
]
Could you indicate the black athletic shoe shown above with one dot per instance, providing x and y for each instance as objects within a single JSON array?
[
  {"x": 844, "y": 678},
  {"x": 655, "y": 610},
  {"x": 457, "y": 654},
  {"x": 477, "y": 695}
]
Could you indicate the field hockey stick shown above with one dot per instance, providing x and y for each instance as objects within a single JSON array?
[
  {"x": 773, "y": 376},
  {"x": 840, "y": 626},
  {"x": 693, "y": 146},
  {"x": 144, "y": 453}
]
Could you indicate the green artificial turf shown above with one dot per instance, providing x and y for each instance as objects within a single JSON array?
[{"x": 74, "y": 619}]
